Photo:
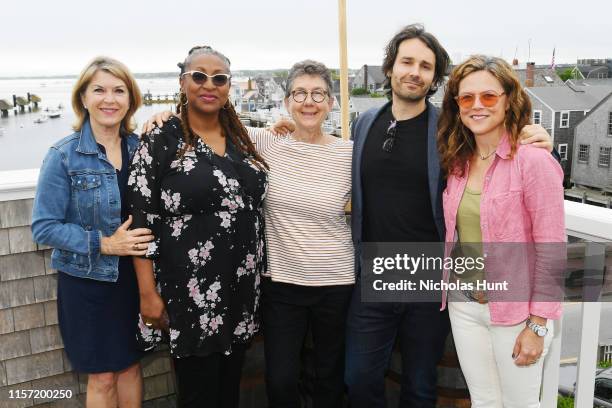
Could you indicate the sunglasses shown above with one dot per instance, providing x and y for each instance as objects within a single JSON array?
[
  {"x": 488, "y": 99},
  {"x": 200, "y": 78},
  {"x": 390, "y": 140}
]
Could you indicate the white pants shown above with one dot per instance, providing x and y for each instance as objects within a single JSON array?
[{"x": 485, "y": 355}]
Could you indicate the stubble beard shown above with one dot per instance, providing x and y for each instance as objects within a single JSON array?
[{"x": 411, "y": 97}]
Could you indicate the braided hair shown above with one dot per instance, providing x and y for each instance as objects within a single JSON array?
[{"x": 228, "y": 118}]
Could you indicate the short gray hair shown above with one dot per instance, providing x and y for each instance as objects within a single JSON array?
[
  {"x": 202, "y": 50},
  {"x": 309, "y": 67}
]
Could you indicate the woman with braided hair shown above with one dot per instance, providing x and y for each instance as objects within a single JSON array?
[{"x": 198, "y": 184}]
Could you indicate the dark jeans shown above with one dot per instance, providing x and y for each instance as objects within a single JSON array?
[
  {"x": 371, "y": 332},
  {"x": 212, "y": 381},
  {"x": 288, "y": 310}
]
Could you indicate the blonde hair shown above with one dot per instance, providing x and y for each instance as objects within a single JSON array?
[
  {"x": 116, "y": 69},
  {"x": 456, "y": 143}
]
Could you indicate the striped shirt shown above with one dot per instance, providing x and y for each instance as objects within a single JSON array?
[{"x": 308, "y": 238}]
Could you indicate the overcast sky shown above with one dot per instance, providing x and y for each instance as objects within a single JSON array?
[{"x": 60, "y": 36}]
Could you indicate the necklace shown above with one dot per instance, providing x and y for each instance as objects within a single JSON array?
[{"x": 487, "y": 156}]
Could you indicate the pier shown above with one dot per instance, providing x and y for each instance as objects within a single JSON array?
[
  {"x": 149, "y": 99},
  {"x": 20, "y": 104}
]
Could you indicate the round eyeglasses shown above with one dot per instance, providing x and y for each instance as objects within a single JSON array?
[{"x": 300, "y": 95}]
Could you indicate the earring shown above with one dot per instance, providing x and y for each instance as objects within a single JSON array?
[{"x": 183, "y": 96}]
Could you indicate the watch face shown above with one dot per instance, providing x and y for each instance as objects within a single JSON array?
[{"x": 542, "y": 331}]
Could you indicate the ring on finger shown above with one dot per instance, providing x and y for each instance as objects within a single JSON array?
[{"x": 148, "y": 324}]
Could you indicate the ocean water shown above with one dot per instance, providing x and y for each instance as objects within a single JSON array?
[{"x": 23, "y": 143}]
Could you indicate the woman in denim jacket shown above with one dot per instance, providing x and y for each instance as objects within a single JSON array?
[
  {"x": 80, "y": 211},
  {"x": 504, "y": 201}
]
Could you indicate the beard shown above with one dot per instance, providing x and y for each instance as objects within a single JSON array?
[{"x": 407, "y": 95}]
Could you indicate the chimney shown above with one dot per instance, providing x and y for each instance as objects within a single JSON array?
[
  {"x": 249, "y": 86},
  {"x": 365, "y": 77},
  {"x": 529, "y": 80},
  {"x": 14, "y": 101},
  {"x": 515, "y": 63}
]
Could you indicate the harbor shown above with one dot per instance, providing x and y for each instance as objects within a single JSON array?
[{"x": 31, "y": 125}]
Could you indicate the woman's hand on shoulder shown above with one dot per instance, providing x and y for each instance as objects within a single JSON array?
[
  {"x": 283, "y": 127},
  {"x": 537, "y": 136},
  {"x": 127, "y": 242},
  {"x": 158, "y": 119}
]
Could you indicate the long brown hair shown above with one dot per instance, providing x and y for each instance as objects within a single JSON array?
[
  {"x": 231, "y": 126},
  {"x": 456, "y": 143}
]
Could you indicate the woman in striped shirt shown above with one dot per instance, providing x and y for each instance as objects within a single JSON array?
[{"x": 310, "y": 274}]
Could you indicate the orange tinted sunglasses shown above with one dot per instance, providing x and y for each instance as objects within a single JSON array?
[{"x": 488, "y": 99}]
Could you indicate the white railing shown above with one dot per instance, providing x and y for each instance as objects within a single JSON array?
[
  {"x": 588, "y": 222},
  {"x": 593, "y": 224},
  {"x": 18, "y": 184}
]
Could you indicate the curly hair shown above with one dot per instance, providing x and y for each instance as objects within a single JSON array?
[
  {"x": 230, "y": 122},
  {"x": 456, "y": 143}
]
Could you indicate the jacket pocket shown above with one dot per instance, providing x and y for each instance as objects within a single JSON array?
[
  {"x": 506, "y": 216},
  {"x": 86, "y": 195}
]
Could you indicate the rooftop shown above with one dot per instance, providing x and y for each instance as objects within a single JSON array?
[
  {"x": 541, "y": 77},
  {"x": 375, "y": 71},
  {"x": 571, "y": 98}
]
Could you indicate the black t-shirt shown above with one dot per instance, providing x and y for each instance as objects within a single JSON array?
[{"x": 396, "y": 200}]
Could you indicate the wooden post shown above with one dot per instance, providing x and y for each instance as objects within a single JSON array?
[{"x": 344, "y": 96}]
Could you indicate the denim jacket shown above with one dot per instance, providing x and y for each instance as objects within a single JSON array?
[{"x": 77, "y": 203}]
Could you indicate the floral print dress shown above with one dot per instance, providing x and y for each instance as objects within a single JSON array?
[{"x": 205, "y": 212}]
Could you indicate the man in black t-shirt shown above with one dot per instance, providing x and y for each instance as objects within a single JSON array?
[{"x": 397, "y": 198}]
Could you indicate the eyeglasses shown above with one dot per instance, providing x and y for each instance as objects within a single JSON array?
[
  {"x": 200, "y": 78},
  {"x": 300, "y": 96},
  {"x": 488, "y": 99},
  {"x": 390, "y": 140}
]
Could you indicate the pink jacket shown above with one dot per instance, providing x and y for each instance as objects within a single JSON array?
[{"x": 521, "y": 201}]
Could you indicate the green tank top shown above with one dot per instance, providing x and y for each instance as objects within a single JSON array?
[{"x": 470, "y": 234}]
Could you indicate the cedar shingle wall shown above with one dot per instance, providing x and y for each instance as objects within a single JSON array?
[{"x": 31, "y": 348}]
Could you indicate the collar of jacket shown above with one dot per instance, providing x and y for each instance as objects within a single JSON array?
[
  {"x": 503, "y": 148},
  {"x": 87, "y": 140}
]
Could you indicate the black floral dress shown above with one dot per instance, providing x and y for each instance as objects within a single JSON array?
[{"x": 205, "y": 211}]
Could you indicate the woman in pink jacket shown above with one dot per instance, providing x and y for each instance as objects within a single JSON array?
[{"x": 499, "y": 191}]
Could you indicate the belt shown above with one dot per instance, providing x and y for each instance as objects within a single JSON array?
[{"x": 479, "y": 296}]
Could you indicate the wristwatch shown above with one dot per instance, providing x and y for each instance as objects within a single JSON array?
[{"x": 541, "y": 331}]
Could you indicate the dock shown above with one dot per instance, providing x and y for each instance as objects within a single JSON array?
[
  {"x": 20, "y": 104},
  {"x": 149, "y": 99}
]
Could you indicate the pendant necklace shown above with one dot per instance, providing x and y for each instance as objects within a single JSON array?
[{"x": 487, "y": 156}]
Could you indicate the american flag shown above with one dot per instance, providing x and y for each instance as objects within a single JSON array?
[{"x": 552, "y": 63}]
